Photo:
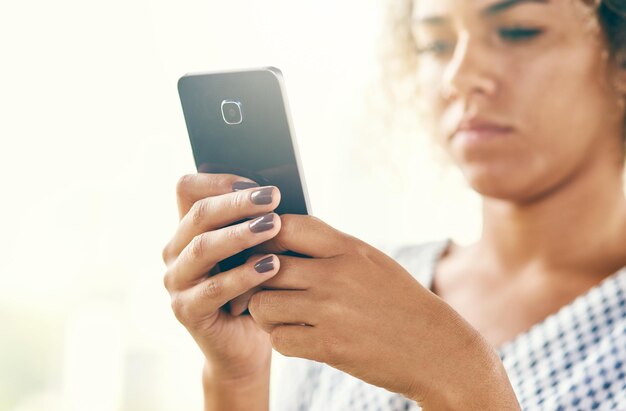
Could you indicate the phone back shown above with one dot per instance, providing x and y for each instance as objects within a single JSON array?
[{"x": 239, "y": 123}]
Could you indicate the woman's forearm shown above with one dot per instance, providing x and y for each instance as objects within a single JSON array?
[
  {"x": 484, "y": 386},
  {"x": 251, "y": 394}
]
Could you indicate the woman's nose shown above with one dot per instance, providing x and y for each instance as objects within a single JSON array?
[{"x": 469, "y": 71}]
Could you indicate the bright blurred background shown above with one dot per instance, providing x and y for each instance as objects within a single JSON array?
[{"x": 94, "y": 141}]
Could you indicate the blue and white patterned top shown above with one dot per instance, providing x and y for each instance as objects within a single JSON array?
[{"x": 575, "y": 359}]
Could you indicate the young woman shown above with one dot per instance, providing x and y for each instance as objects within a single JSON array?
[{"x": 527, "y": 98}]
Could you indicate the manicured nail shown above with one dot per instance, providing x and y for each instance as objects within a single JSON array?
[
  {"x": 242, "y": 185},
  {"x": 262, "y": 196},
  {"x": 262, "y": 223},
  {"x": 265, "y": 265}
]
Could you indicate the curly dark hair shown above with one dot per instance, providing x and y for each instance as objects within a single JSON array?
[
  {"x": 612, "y": 17},
  {"x": 400, "y": 59}
]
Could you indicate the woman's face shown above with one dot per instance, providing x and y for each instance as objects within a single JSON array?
[{"x": 537, "y": 69}]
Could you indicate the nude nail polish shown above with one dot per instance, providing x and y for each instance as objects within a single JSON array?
[
  {"x": 262, "y": 223},
  {"x": 265, "y": 265},
  {"x": 262, "y": 196},
  {"x": 243, "y": 185}
]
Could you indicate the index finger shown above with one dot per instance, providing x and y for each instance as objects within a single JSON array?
[
  {"x": 193, "y": 187},
  {"x": 306, "y": 235}
]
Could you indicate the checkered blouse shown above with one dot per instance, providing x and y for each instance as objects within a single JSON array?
[{"x": 572, "y": 360}]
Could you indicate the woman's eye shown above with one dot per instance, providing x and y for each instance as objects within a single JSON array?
[
  {"x": 518, "y": 34},
  {"x": 437, "y": 47}
]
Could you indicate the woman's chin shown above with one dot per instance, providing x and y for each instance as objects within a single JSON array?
[{"x": 502, "y": 183}]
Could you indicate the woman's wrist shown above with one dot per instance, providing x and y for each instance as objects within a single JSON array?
[
  {"x": 480, "y": 384},
  {"x": 221, "y": 392}
]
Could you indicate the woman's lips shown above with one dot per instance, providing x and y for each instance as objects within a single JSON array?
[{"x": 481, "y": 134}]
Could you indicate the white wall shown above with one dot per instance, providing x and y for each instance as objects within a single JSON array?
[{"x": 93, "y": 142}]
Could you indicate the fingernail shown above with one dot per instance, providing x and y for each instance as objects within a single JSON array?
[
  {"x": 262, "y": 223},
  {"x": 262, "y": 196},
  {"x": 265, "y": 265},
  {"x": 242, "y": 185}
]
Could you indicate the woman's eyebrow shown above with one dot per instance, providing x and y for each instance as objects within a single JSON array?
[
  {"x": 507, "y": 4},
  {"x": 496, "y": 8},
  {"x": 431, "y": 20}
]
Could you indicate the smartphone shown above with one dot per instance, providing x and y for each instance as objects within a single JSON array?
[{"x": 239, "y": 122}]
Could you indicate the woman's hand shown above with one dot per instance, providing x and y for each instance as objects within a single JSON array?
[
  {"x": 356, "y": 309},
  {"x": 235, "y": 348}
]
